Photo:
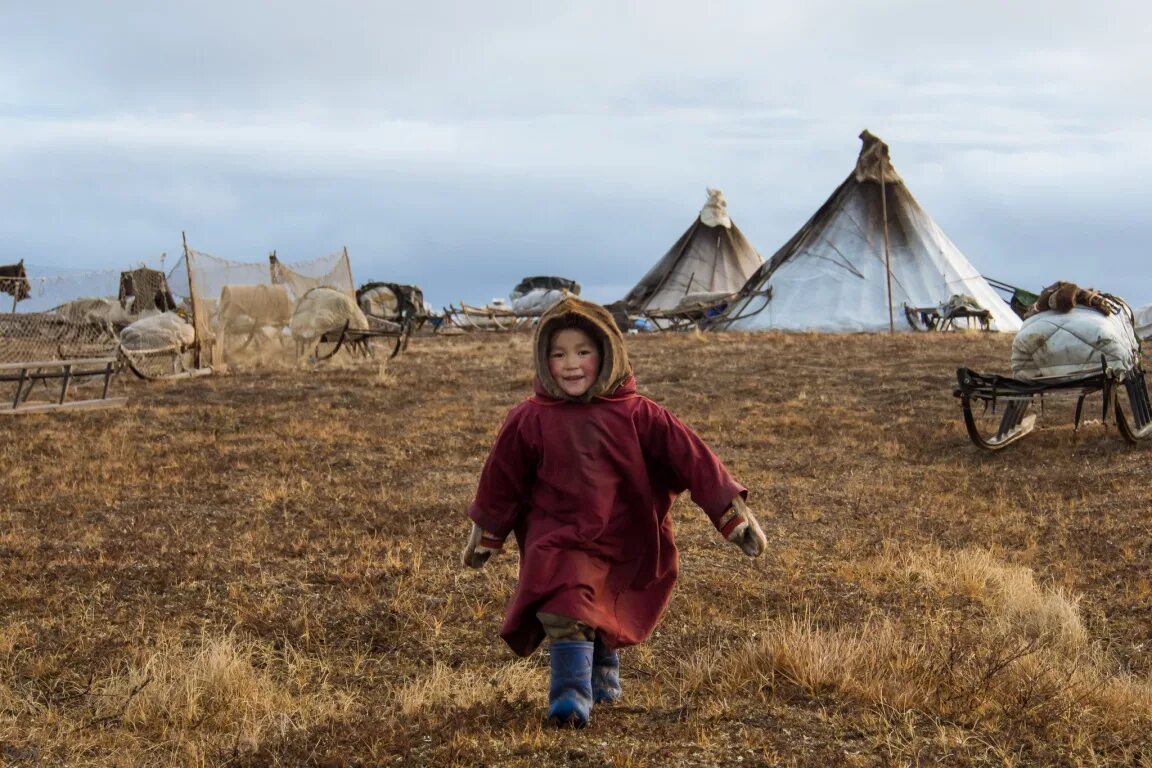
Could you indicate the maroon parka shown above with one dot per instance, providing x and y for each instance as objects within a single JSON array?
[{"x": 586, "y": 486}]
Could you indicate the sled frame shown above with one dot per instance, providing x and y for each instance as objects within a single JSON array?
[
  {"x": 357, "y": 340},
  {"x": 991, "y": 390},
  {"x": 66, "y": 372}
]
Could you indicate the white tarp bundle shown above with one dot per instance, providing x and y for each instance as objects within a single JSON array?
[
  {"x": 832, "y": 274},
  {"x": 713, "y": 256},
  {"x": 537, "y": 301},
  {"x": 1058, "y": 345},
  {"x": 166, "y": 330},
  {"x": 324, "y": 310},
  {"x": 380, "y": 301},
  {"x": 94, "y": 310}
]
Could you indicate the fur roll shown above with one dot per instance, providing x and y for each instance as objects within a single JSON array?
[{"x": 1062, "y": 297}]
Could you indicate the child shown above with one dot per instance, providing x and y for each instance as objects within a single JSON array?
[{"x": 584, "y": 473}]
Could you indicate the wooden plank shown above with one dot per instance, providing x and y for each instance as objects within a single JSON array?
[
  {"x": 77, "y": 405},
  {"x": 65, "y": 373},
  {"x": 189, "y": 374},
  {"x": 57, "y": 363}
]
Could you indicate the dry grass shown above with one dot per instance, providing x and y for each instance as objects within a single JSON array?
[{"x": 260, "y": 569}]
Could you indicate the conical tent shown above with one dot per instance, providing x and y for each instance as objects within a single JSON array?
[
  {"x": 1143, "y": 321},
  {"x": 713, "y": 256},
  {"x": 833, "y": 275}
]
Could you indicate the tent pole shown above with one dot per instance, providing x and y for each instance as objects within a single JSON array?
[
  {"x": 887, "y": 257},
  {"x": 348, "y": 269}
]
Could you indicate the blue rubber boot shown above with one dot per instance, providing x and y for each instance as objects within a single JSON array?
[
  {"x": 605, "y": 675},
  {"x": 570, "y": 694}
]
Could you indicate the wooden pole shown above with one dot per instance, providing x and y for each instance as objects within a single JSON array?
[
  {"x": 16, "y": 287},
  {"x": 196, "y": 325},
  {"x": 887, "y": 256}
]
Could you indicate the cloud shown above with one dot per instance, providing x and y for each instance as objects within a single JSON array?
[
  {"x": 261, "y": 138},
  {"x": 467, "y": 144}
]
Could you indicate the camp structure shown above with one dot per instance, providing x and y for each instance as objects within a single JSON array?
[
  {"x": 869, "y": 259},
  {"x": 531, "y": 298},
  {"x": 711, "y": 260},
  {"x": 145, "y": 290},
  {"x": 1142, "y": 318}
]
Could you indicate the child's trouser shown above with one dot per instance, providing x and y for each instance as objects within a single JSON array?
[
  {"x": 605, "y": 672},
  {"x": 559, "y": 627}
]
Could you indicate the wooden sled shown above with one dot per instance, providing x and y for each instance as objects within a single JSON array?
[
  {"x": 1016, "y": 396},
  {"x": 471, "y": 318},
  {"x": 932, "y": 319},
  {"x": 688, "y": 316},
  {"x": 26, "y": 375},
  {"x": 163, "y": 363},
  {"x": 357, "y": 340}
]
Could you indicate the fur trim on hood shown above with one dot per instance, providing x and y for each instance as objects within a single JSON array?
[{"x": 597, "y": 322}]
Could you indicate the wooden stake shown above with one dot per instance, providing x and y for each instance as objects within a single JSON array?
[{"x": 887, "y": 256}]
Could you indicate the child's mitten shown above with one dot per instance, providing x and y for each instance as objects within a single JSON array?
[
  {"x": 745, "y": 532},
  {"x": 481, "y": 546}
]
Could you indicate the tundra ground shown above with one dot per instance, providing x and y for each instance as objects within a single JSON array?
[{"x": 261, "y": 568}]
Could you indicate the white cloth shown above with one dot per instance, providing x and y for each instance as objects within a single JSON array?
[{"x": 1051, "y": 346}]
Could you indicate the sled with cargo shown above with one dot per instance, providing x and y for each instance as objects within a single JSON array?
[
  {"x": 1080, "y": 352},
  {"x": 491, "y": 317},
  {"x": 531, "y": 298},
  {"x": 695, "y": 311},
  {"x": 60, "y": 381},
  {"x": 960, "y": 312}
]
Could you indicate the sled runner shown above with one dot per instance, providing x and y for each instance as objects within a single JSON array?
[
  {"x": 493, "y": 317},
  {"x": 697, "y": 310},
  {"x": 357, "y": 340},
  {"x": 1013, "y": 397}
]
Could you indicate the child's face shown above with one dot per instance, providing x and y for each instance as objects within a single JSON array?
[{"x": 573, "y": 361}]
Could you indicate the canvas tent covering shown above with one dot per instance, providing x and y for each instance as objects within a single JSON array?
[
  {"x": 1143, "y": 322},
  {"x": 831, "y": 276},
  {"x": 712, "y": 256}
]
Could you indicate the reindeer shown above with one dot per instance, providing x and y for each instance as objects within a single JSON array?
[{"x": 249, "y": 309}]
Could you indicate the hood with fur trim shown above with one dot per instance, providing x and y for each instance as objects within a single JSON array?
[{"x": 597, "y": 322}]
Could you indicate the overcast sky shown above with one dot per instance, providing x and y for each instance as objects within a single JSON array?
[{"x": 463, "y": 145}]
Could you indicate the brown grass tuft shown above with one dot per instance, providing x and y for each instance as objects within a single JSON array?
[{"x": 997, "y": 656}]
